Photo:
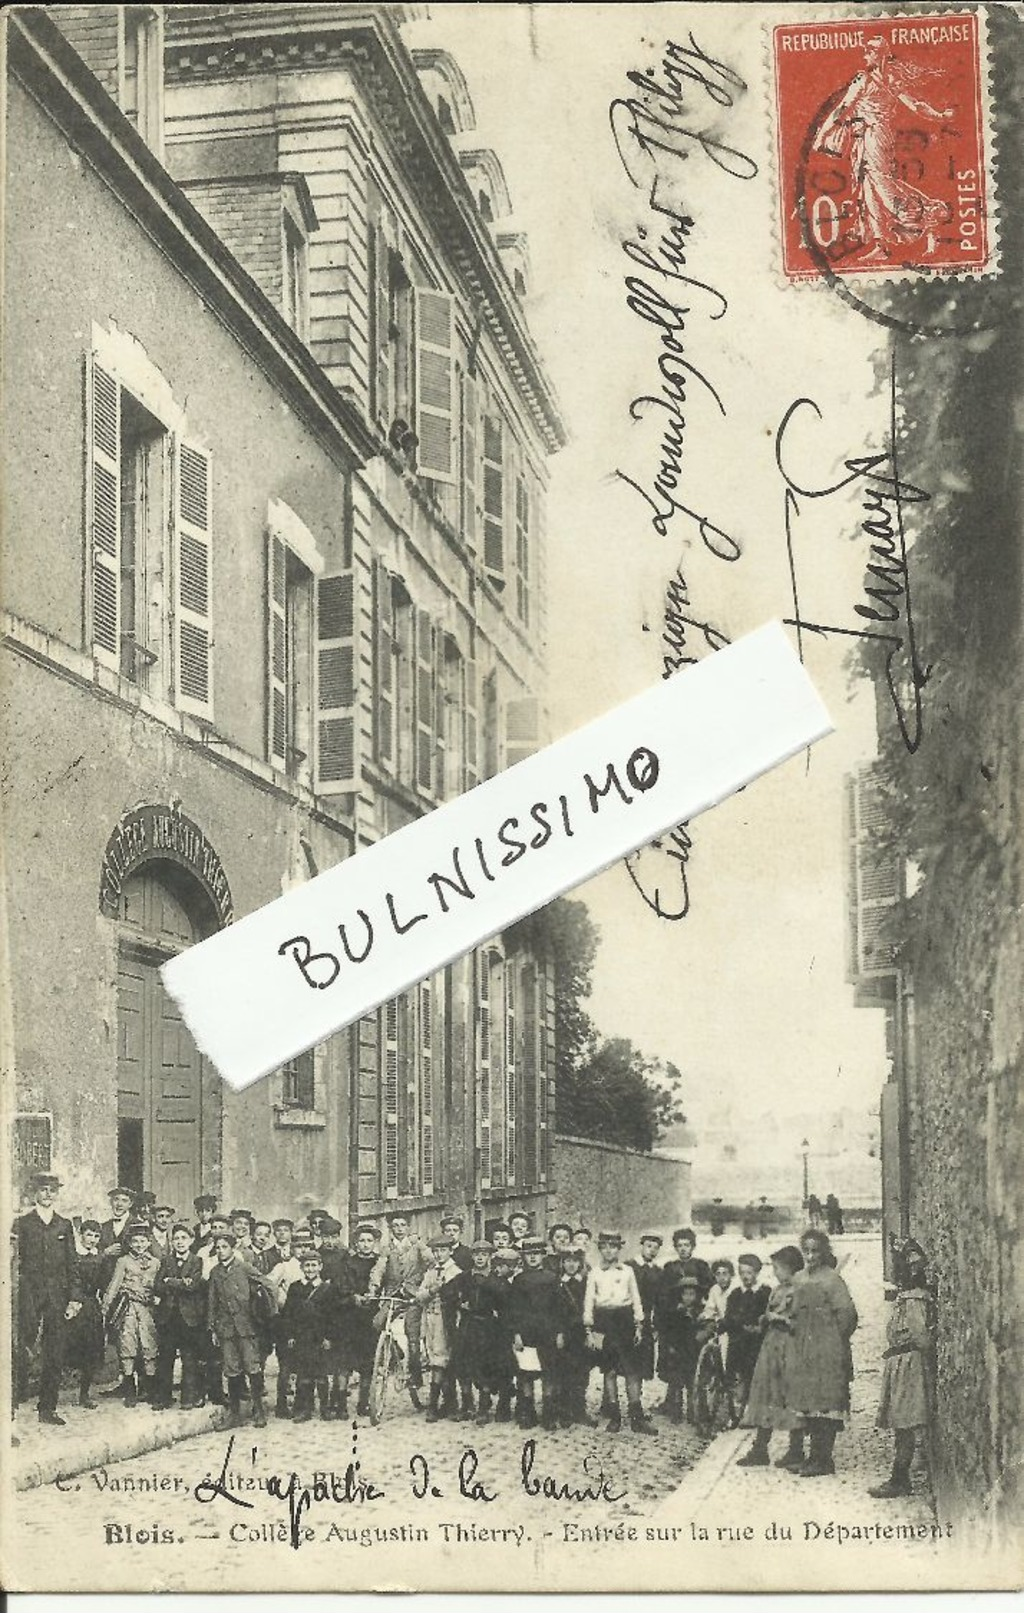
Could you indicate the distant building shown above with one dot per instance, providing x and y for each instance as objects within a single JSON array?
[{"x": 275, "y": 443}]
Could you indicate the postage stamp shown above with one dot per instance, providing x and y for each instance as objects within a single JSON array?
[{"x": 880, "y": 143}]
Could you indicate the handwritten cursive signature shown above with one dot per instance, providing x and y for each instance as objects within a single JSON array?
[
  {"x": 887, "y": 594},
  {"x": 346, "y": 1488}
]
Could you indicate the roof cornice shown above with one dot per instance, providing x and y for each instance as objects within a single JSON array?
[
  {"x": 53, "y": 73},
  {"x": 206, "y": 42}
]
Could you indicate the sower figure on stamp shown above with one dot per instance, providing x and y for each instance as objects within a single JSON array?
[
  {"x": 180, "y": 1320},
  {"x": 234, "y": 1328},
  {"x": 85, "y": 1331},
  {"x": 128, "y": 1307},
  {"x": 48, "y": 1293},
  {"x": 537, "y": 1317}
]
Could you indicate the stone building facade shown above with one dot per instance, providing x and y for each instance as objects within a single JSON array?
[{"x": 276, "y": 436}]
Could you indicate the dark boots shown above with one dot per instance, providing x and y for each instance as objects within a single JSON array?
[
  {"x": 259, "y": 1405},
  {"x": 823, "y": 1438},
  {"x": 85, "y": 1400},
  {"x": 898, "y": 1482},
  {"x": 235, "y": 1402},
  {"x": 793, "y": 1456},
  {"x": 128, "y": 1390},
  {"x": 757, "y": 1455},
  {"x": 638, "y": 1422}
]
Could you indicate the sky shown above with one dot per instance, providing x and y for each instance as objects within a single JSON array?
[{"x": 747, "y": 994}]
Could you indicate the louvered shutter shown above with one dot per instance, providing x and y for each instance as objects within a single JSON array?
[
  {"x": 494, "y": 496},
  {"x": 193, "y": 617},
  {"x": 336, "y": 683},
  {"x": 380, "y": 291},
  {"x": 530, "y": 1147},
  {"x": 469, "y": 463},
  {"x": 427, "y": 1040},
  {"x": 522, "y": 547},
  {"x": 522, "y": 729},
  {"x": 408, "y": 1095},
  {"x": 876, "y": 875},
  {"x": 440, "y": 679},
  {"x": 389, "y": 1082},
  {"x": 470, "y": 736},
  {"x": 435, "y": 380},
  {"x": 384, "y": 665},
  {"x": 277, "y": 651},
  {"x": 104, "y": 425},
  {"x": 425, "y": 702},
  {"x": 511, "y": 1071},
  {"x": 483, "y": 1060}
]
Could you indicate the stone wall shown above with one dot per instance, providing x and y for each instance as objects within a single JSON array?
[{"x": 598, "y": 1185}]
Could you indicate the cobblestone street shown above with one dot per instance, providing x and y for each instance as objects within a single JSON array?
[{"x": 658, "y": 1495}]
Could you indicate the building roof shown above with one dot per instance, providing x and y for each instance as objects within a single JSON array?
[
  {"x": 52, "y": 71},
  {"x": 224, "y": 41}
]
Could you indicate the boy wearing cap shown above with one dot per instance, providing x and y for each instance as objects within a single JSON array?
[
  {"x": 743, "y": 1327},
  {"x": 263, "y": 1247},
  {"x": 283, "y": 1275},
  {"x": 242, "y": 1223},
  {"x": 613, "y": 1312},
  {"x": 401, "y": 1270},
  {"x": 436, "y": 1300},
  {"x": 680, "y": 1335},
  {"x": 354, "y": 1338},
  {"x": 112, "y": 1230},
  {"x": 537, "y": 1318},
  {"x": 204, "y": 1206},
  {"x": 180, "y": 1319},
  {"x": 85, "y": 1331},
  {"x": 559, "y": 1239},
  {"x": 451, "y": 1228},
  {"x": 519, "y": 1226},
  {"x": 305, "y": 1329},
  {"x": 128, "y": 1307},
  {"x": 505, "y": 1266},
  {"x": 160, "y": 1230},
  {"x": 575, "y": 1361},
  {"x": 649, "y": 1281},
  {"x": 234, "y": 1329},
  {"x": 48, "y": 1292},
  {"x": 477, "y": 1354}
]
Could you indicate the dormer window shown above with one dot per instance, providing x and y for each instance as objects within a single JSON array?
[{"x": 144, "y": 73}]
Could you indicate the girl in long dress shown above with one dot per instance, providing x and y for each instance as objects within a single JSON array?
[
  {"x": 767, "y": 1406},
  {"x": 820, "y": 1365},
  {"x": 906, "y": 1397}
]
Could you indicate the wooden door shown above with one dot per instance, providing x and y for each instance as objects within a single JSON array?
[{"x": 159, "y": 1069}]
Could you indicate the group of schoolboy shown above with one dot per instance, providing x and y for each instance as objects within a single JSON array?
[{"x": 487, "y": 1324}]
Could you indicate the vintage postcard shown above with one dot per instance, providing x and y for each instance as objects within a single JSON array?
[{"x": 388, "y": 392}]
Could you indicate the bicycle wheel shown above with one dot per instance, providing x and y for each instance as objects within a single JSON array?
[
  {"x": 381, "y": 1376},
  {"x": 708, "y": 1389}
]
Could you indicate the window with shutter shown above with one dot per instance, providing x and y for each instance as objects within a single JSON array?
[
  {"x": 277, "y": 651},
  {"x": 483, "y": 1064},
  {"x": 495, "y": 967},
  {"x": 426, "y": 1006},
  {"x": 522, "y": 549},
  {"x": 468, "y": 456},
  {"x": 511, "y": 1071},
  {"x": 104, "y": 416},
  {"x": 388, "y": 1035},
  {"x": 450, "y": 724},
  {"x": 380, "y": 290},
  {"x": 491, "y": 736},
  {"x": 336, "y": 768},
  {"x": 494, "y": 498},
  {"x": 425, "y": 703},
  {"x": 530, "y": 1142},
  {"x": 408, "y": 1095},
  {"x": 193, "y": 621},
  {"x": 470, "y": 739},
  {"x": 406, "y": 673},
  {"x": 384, "y": 665},
  {"x": 435, "y": 381},
  {"x": 522, "y": 729}
]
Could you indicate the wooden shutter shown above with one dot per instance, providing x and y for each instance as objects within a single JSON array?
[
  {"x": 522, "y": 729},
  {"x": 193, "y": 615},
  {"x": 483, "y": 1059},
  {"x": 389, "y": 1084},
  {"x": 425, "y": 702},
  {"x": 427, "y": 1039},
  {"x": 277, "y": 651},
  {"x": 104, "y": 429},
  {"x": 469, "y": 463},
  {"x": 530, "y": 1146},
  {"x": 876, "y": 878},
  {"x": 470, "y": 731},
  {"x": 435, "y": 379},
  {"x": 511, "y": 1070},
  {"x": 335, "y": 683},
  {"x": 384, "y": 665},
  {"x": 494, "y": 496},
  {"x": 408, "y": 1095},
  {"x": 380, "y": 292},
  {"x": 522, "y": 547}
]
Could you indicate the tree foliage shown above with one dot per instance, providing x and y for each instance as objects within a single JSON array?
[{"x": 605, "y": 1090}]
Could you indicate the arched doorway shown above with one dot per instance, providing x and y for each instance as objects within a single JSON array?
[{"x": 168, "y": 1097}]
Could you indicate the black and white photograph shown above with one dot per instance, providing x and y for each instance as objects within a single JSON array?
[{"x": 391, "y": 391}]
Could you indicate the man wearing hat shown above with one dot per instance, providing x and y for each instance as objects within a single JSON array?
[
  {"x": 242, "y": 1223},
  {"x": 537, "y": 1318},
  {"x": 112, "y": 1231},
  {"x": 48, "y": 1293},
  {"x": 451, "y": 1228},
  {"x": 333, "y": 1254},
  {"x": 402, "y": 1268},
  {"x": 356, "y": 1340}
]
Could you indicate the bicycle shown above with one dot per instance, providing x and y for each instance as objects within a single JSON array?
[
  {"x": 711, "y": 1398},
  {"x": 391, "y": 1357}
]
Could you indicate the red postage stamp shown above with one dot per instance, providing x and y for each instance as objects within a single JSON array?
[{"x": 881, "y": 146}]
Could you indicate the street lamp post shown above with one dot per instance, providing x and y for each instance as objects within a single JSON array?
[{"x": 805, "y": 1145}]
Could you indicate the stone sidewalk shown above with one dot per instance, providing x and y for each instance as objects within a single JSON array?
[{"x": 94, "y": 1439}]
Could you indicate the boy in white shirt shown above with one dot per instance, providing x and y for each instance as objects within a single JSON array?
[{"x": 614, "y": 1313}]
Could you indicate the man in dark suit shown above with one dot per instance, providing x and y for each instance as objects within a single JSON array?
[
  {"x": 180, "y": 1320},
  {"x": 112, "y": 1231},
  {"x": 48, "y": 1295}
]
